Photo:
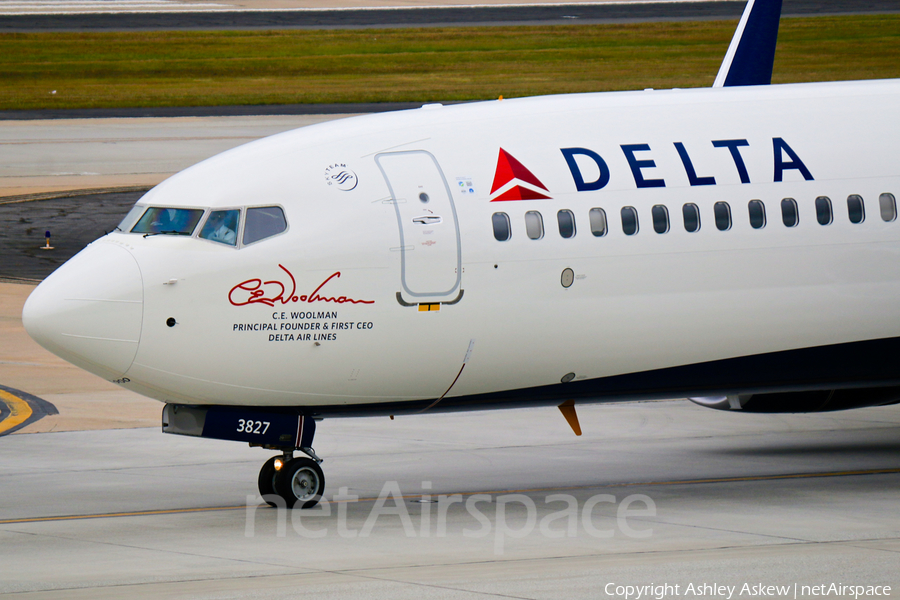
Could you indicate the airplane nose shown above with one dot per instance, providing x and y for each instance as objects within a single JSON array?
[{"x": 89, "y": 311}]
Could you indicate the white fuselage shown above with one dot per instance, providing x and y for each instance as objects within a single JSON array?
[{"x": 254, "y": 325}]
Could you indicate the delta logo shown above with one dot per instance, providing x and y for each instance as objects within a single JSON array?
[{"x": 513, "y": 181}]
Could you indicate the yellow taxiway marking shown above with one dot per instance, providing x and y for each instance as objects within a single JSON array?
[
  {"x": 19, "y": 411},
  {"x": 176, "y": 511},
  {"x": 139, "y": 513}
]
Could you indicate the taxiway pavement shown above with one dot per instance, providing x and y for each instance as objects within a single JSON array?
[
  {"x": 148, "y": 15},
  {"x": 39, "y": 156},
  {"x": 653, "y": 493}
]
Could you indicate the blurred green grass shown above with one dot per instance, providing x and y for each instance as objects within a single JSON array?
[{"x": 148, "y": 69}]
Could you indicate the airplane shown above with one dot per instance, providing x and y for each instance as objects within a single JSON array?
[{"x": 737, "y": 245}]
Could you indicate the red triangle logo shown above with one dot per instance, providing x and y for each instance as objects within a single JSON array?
[
  {"x": 520, "y": 193},
  {"x": 508, "y": 168}
]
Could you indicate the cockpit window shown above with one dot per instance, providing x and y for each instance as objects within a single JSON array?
[
  {"x": 263, "y": 222},
  {"x": 175, "y": 221},
  {"x": 221, "y": 226},
  {"x": 132, "y": 217}
]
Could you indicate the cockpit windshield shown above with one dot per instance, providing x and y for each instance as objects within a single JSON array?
[
  {"x": 221, "y": 226},
  {"x": 263, "y": 222},
  {"x": 236, "y": 227},
  {"x": 174, "y": 221}
]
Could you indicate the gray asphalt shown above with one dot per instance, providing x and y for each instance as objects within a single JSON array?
[
  {"x": 209, "y": 111},
  {"x": 430, "y": 17},
  {"x": 73, "y": 223}
]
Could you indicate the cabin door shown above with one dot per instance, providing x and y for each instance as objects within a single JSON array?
[{"x": 430, "y": 256}]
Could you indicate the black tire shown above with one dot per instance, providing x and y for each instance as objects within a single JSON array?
[
  {"x": 300, "y": 483},
  {"x": 266, "y": 481}
]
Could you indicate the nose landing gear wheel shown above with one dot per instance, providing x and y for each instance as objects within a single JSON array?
[
  {"x": 266, "y": 481},
  {"x": 300, "y": 482}
]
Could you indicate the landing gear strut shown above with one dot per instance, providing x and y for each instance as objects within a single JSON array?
[
  {"x": 292, "y": 481},
  {"x": 283, "y": 480}
]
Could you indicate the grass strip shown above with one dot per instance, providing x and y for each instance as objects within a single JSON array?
[{"x": 197, "y": 68}]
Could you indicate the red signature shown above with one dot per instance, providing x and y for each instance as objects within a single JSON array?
[{"x": 257, "y": 291}]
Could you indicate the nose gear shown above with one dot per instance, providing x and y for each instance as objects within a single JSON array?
[{"x": 284, "y": 480}]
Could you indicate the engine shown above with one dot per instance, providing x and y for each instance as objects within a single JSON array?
[{"x": 803, "y": 402}]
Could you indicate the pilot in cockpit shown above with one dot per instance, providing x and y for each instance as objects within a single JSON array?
[
  {"x": 221, "y": 227},
  {"x": 164, "y": 218},
  {"x": 178, "y": 221}
]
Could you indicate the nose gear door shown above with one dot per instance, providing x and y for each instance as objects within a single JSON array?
[{"x": 430, "y": 255}]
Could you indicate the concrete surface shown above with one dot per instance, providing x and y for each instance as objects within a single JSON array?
[
  {"x": 67, "y": 154},
  {"x": 708, "y": 497}
]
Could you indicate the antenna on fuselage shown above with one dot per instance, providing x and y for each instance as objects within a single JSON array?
[{"x": 751, "y": 54}]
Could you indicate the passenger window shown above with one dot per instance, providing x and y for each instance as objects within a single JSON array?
[
  {"x": 789, "y": 215},
  {"x": 598, "y": 221},
  {"x": 263, "y": 222},
  {"x": 757, "y": 212},
  {"x": 660, "y": 216},
  {"x": 722, "y": 213},
  {"x": 534, "y": 225},
  {"x": 502, "y": 230},
  {"x": 566, "y": 220},
  {"x": 823, "y": 210},
  {"x": 629, "y": 220},
  {"x": 888, "y": 207},
  {"x": 856, "y": 209},
  {"x": 175, "y": 221},
  {"x": 691, "y": 215},
  {"x": 221, "y": 226}
]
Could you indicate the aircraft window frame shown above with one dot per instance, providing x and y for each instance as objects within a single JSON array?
[
  {"x": 856, "y": 214},
  {"x": 757, "y": 219},
  {"x": 598, "y": 222},
  {"x": 561, "y": 216},
  {"x": 660, "y": 217},
  {"x": 502, "y": 219},
  {"x": 238, "y": 230},
  {"x": 824, "y": 212},
  {"x": 128, "y": 221},
  {"x": 790, "y": 212},
  {"x": 534, "y": 225},
  {"x": 722, "y": 215},
  {"x": 245, "y": 219},
  {"x": 887, "y": 204},
  {"x": 633, "y": 220},
  {"x": 161, "y": 231},
  {"x": 691, "y": 221}
]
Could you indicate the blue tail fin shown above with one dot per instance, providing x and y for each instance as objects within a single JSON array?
[{"x": 751, "y": 54}]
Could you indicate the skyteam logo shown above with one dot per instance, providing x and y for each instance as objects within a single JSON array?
[
  {"x": 340, "y": 177},
  {"x": 512, "y": 181}
]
